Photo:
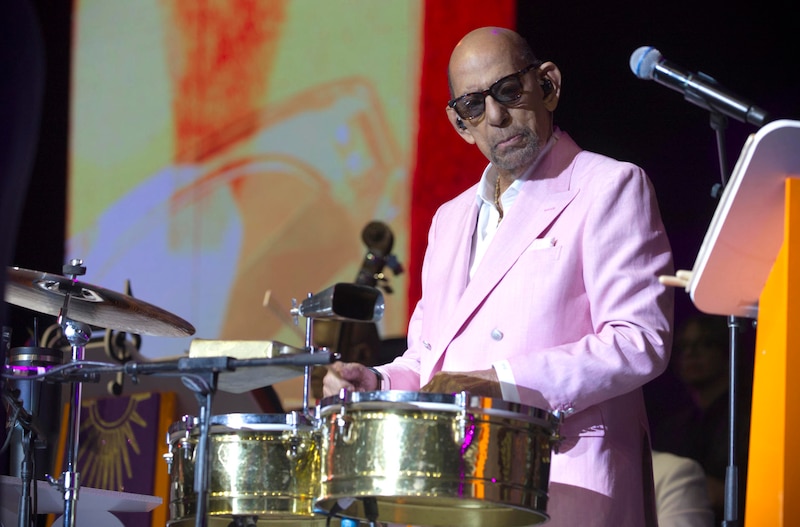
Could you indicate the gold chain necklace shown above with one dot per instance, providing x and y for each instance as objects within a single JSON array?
[{"x": 497, "y": 204}]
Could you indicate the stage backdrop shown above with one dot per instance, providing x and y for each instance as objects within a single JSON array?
[{"x": 223, "y": 149}]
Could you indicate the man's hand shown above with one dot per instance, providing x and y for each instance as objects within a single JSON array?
[
  {"x": 348, "y": 375},
  {"x": 482, "y": 382}
]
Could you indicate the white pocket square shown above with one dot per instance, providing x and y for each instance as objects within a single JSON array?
[{"x": 542, "y": 243}]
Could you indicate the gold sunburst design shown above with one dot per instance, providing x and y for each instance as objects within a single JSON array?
[{"x": 105, "y": 447}]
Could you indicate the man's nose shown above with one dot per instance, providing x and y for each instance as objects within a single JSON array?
[{"x": 496, "y": 113}]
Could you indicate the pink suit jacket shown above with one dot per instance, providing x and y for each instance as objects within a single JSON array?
[{"x": 568, "y": 294}]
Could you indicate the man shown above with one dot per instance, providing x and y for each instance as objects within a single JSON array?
[{"x": 542, "y": 290}]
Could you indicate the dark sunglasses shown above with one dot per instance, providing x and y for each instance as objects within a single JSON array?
[{"x": 506, "y": 90}]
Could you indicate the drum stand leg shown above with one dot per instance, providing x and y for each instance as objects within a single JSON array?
[
  {"x": 371, "y": 511},
  {"x": 203, "y": 387}
]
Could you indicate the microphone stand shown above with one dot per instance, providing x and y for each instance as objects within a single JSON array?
[
  {"x": 719, "y": 123},
  {"x": 26, "y": 478},
  {"x": 731, "y": 510}
]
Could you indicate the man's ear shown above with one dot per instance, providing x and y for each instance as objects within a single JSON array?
[
  {"x": 550, "y": 76},
  {"x": 460, "y": 126}
]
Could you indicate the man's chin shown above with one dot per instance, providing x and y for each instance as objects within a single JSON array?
[{"x": 515, "y": 158}]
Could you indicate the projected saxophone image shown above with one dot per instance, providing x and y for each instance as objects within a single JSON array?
[{"x": 274, "y": 164}]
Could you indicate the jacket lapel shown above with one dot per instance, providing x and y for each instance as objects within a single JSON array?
[{"x": 540, "y": 201}]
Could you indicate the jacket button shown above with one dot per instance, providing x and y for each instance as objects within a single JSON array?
[{"x": 497, "y": 334}]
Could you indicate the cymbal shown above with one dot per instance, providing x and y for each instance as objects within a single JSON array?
[{"x": 93, "y": 305}]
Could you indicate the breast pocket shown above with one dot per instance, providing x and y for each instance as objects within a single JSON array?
[
  {"x": 539, "y": 257},
  {"x": 542, "y": 249}
]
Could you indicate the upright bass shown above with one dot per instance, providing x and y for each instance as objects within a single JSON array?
[{"x": 361, "y": 341}]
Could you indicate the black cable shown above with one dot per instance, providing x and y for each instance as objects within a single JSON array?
[{"x": 11, "y": 403}]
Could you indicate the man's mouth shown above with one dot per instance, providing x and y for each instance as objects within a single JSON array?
[{"x": 509, "y": 142}]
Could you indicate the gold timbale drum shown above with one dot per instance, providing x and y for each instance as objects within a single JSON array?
[
  {"x": 261, "y": 466},
  {"x": 396, "y": 457},
  {"x": 435, "y": 459}
]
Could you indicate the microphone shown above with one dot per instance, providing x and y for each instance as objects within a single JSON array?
[{"x": 698, "y": 88}]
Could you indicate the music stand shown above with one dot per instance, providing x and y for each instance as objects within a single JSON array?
[
  {"x": 738, "y": 264},
  {"x": 746, "y": 230}
]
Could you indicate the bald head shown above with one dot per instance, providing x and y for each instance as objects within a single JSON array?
[{"x": 489, "y": 44}]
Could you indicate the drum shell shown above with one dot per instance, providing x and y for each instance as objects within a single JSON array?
[
  {"x": 434, "y": 459},
  {"x": 261, "y": 465}
]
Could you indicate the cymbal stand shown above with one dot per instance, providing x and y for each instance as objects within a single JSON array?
[{"x": 77, "y": 334}]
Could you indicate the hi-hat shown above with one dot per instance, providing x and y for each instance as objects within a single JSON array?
[{"x": 96, "y": 306}]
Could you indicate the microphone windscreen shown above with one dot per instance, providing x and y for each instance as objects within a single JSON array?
[{"x": 643, "y": 61}]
